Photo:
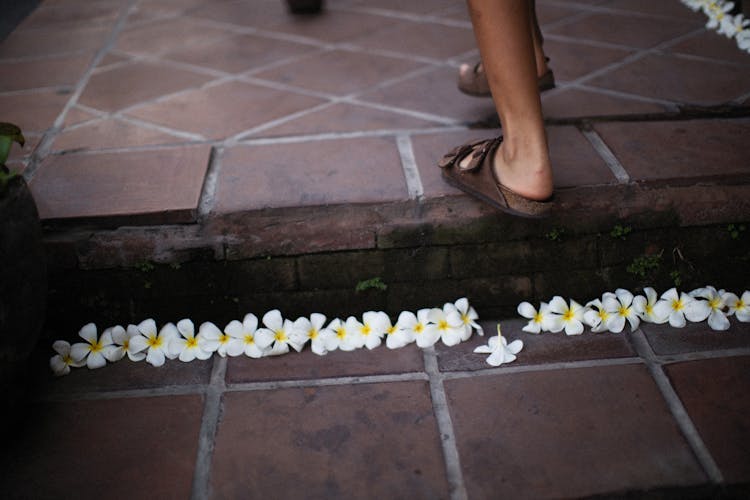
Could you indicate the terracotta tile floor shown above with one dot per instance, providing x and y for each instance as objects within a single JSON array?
[{"x": 171, "y": 114}]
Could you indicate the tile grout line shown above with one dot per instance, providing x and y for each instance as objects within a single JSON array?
[
  {"x": 606, "y": 154},
  {"x": 209, "y": 424},
  {"x": 445, "y": 426},
  {"x": 409, "y": 165},
  {"x": 678, "y": 410},
  {"x": 563, "y": 365},
  {"x": 49, "y": 136},
  {"x": 325, "y": 382}
]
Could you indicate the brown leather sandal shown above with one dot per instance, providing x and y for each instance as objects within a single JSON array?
[
  {"x": 478, "y": 179},
  {"x": 474, "y": 83}
]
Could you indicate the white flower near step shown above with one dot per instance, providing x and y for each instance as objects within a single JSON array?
[
  {"x": 713, "y": 299},
  {"x": 645, "y": 307},
  {"x": 620, "y": 306},
  {"x": 499, "y": 350},
  {"x": 212, "y": 339},
  {"x": 254, "y": 342},
  {"x": 188, "y": 346},
  {"x": 122, "y": 344},
  {"x": 156, "y": 343},
  {"x": 94, "y": 348},
  {"x": 597, "y": 317},
  {"x": 372, "y": 329},
  {"x": 732, "y": 25},
  {"x": 449, "y": 325},
  {"x": 468, "y": 316},
  {"x": 281, "y": 329},
  {"x": 62, "y": 361},
  {"x": 345, "y": 338},
  {"x": 680, "y": 307},
  {"x": 396, "y": 336},
  {"x": 717, "y": 14},
  {"x": 570, "y": 316},
  {"x": 321, "y": 339},
  {"x": 425, "y": 334},
  {"x": 738, "y": 306},
  {"x": 541, "y": 320}
]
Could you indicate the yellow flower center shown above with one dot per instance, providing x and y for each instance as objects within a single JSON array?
[
  {"x": 677, "y": 305},
  {"x": 568, "y": 315},
  {"x": 366, "y": 330},
  {"x": 465, "y": 318},
  {"x": 341, "y": 332},
  {"x": 280, "y": 336},
  {"x": 313, "y": 333},
  {"x": 126, "y": 344},
  {"x": 191, "y": 343},
  {"x": 715, "y": 303},
  {"x": 623, "y": 311},
  {"x": 538, "y": 317},
  {"x": 96, "y": 346},
  {"x": 649, "y": 309},
  {"x": 443, "y": 324},
  {"x": 249, "y": 339},
  {"x": 391, "y": 330},
  {"x": 67, "y": 360},
  {"x": 603, "y": 315},
  {"x": 154, "y": 341},
  {"x": 224, "y": 338},
  {"x": 418, "y": 328},
  {"x": 740, "y": 304}
]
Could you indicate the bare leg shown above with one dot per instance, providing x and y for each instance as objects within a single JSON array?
[{"x": 504, "y": 32}]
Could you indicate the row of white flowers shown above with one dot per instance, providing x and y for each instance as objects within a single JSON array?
[
  {"x": 453, "y": 323},
  {"x": 720, "y": 19},
  {"x": 612, "y": 311}
]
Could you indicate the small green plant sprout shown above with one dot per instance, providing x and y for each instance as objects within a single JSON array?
[
  {"x": 736, "y": 230},
  {"x": 375, "y": 283},
  {"x": 676, "y": 277},
  {"x": 144, "y": 266},
  {"x": 643, "y": 265},
  {"x": 620, "y": 231},
  {"x": 9, "y": 134},
  {"x": 555, "y": 234}
]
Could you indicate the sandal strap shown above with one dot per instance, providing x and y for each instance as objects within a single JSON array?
[{"x": 455, "y": 155}]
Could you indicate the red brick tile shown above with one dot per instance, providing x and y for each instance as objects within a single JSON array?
[
  {"x": 32, "y": 112},
  {"x": 71, "y": 14},
  {"x": 30, "y": 43},
  {"x": 331, "y": 26},
  {"x": 571, "y": 60},
  {"x": 109, "y": 133},
  {"x": 575, "y": 103},
  {"x": 238, "y": 53},
  {"x": 537, "y": 349},
  {"x": 678, "y": 79},
  {"x": 220, "y": 111},
  {"x": 430, "y": 7},
  {"x": 368, "y": 440},
  {"x": 156, "y": 186},
  {"x": 128, "y": 375},
  {"x": 435, "y": 93},
  {"x": 259, "y": 13},
  {"x": 696, "y": 337},
  {"x": 309, "y": 174},
  {"x": 124, "y": 86},
  {"x": 160, "y": 37},
  {"x": 338, "y": 72},
  {"x": 421, "y": 39},
  {"x": 555, "y": 433},
  {"x": 550, "y": 13},
  {"x": 674, "y": 10},
  {"x": 698, "y": 148},
  {"x": 713, "y": 46},
  {"x": 308, "y": 365},
  {"x": 76, "y": 115},
  {"x": 130, "y": 448},
  {"x": 628, "y": 30},
  {"x": 344, "y": 117},
  {"x": 714, "y": 393},
  {"x": 57, "y": 72}
]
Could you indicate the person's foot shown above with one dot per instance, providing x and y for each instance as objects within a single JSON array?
[
  {"x": 529, "y": 175},
  {"x": 472, "y": 79}
]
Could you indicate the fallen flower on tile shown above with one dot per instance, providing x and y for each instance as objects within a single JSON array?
[
  {"x": 62, "y": 361},
  {"x": 499, "y": 350}
]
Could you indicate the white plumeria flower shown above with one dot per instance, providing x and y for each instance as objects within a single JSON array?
[
  {"x": 680, "y": 306},
  {"x": 254, "y": 342},
  {"x": 570, "y": 315},
  {"x": 717, "y": 318},
  {"x": 499, "y": 350},
  {"x": 645, "y": 307},
  {"x": 738, "y": 306},
  {"x": 321, "y": 339},
  {"x": 468, "y": 316},
  {"x": 62, "y": 361},
  {"x": 281, "y": 329},
  {"x": 94, "y": 348},
  {"x": 732, "y": 25},
  {"x": 355, "y": 329},
  {"x": 156, "y": 344},
  {"x": 211, "y": 339},
  {"x": 449, "y": 325},
  {"x": 418, "y": 326},
  {"x": 344, "y": 338},
  {"x": 123, "y": 344},
  {"x": 620, "y": 305},
  {"x": 717, "y": 13},
  {"x": 695, "y": 5},
  {"x": 597, "y": 316},
  {"x": 373, "y": 327},
  {"x": 396, "y": 336},
  {"x": 187, "y": 346},
  {"x": 743, "y": 39},
  {"x": 539, "y": 321}
]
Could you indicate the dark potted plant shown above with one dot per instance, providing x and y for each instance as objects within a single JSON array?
[{"x": 23, "y": 271}]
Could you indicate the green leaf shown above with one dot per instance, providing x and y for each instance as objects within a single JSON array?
[{"x": 9, "y": 133}]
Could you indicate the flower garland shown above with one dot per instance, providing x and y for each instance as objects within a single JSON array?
[
  {"x": 721, "y": 20},
  {"x": 453, "y": 323}
]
